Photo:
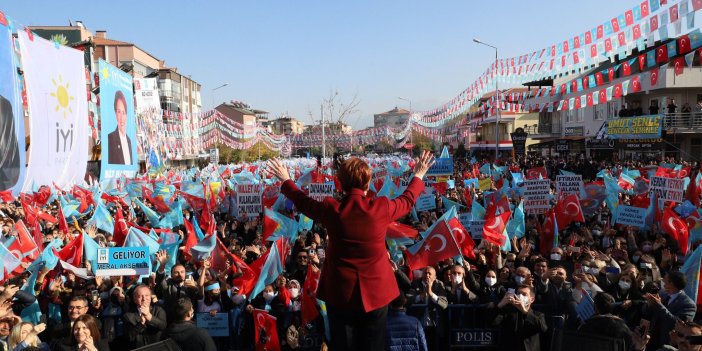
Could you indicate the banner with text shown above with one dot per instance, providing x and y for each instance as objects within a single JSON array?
[
  {"x": 569, "y": 184},
  {"x": 644, "y": 127},
  {"x": 671, "y": 189},
  {"x": 442, "y": 166},
  {"x": 11, "y": 117},
  {"x": 633, "y": 216},
  {"x": 536, "y": 196},
  {"x": 319, "y": 191},
  {"x": 248, "y": 199}
]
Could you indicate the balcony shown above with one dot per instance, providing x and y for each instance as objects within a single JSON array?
[
  {"x": 683, "y": 121},
  {"x": 543, "y": 130}
]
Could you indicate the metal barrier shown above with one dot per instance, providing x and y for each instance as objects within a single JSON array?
[{"x": 469, "y": 327}]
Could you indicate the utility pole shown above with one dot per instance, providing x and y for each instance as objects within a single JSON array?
[{"x": 324, "y": 139}]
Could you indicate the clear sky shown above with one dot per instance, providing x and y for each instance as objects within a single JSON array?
[{"x": 286, "y": 56}]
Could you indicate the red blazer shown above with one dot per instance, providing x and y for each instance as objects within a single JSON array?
[{"x": 356, "y": 274}]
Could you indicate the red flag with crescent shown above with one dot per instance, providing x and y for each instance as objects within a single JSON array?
[
  {"x": 266, "y": 336},
  {"x": 568, "y": 210},
  {"x": 674, "y": 226},
  {"x": 494, "y": 227},
  {"x": 463, "y": 238},
  {"x": 437, "y": 246}
]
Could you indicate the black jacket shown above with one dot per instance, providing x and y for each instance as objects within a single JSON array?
[
  {"x": 139, "y": 334},
  {"x": 609, "y": 326},
  {"x": 189, "y": 337},
  {"x": 519, "y": 331},
  {"x": 114, "y": 149}
]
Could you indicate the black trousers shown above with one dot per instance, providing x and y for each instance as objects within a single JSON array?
[{"x": 357, "y": 330}]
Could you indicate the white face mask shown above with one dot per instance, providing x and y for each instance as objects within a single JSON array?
[
  {"x": 294, "y": 292},
  {"x": 268, "y": 296},
  {"x": 555, "y": 257},
  {"x": 519, "y": 280},
  {"x": 490, "y": 281},
  {"x": 624, "y": 285},
  {"x": 458, "y": 279}
]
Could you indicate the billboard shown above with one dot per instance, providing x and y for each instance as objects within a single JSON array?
[
  {"x": 118, "y": 134},
  {"x": 644, "y": 127}
]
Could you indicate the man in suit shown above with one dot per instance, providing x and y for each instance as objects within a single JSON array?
[
  {"x": 520, "y": 326},
  {"x": 357, "y": 280},
  {"x": 431, "y": 292},
  {"x": 664, "y": 312},
  {"x": 144, "y": 325},
  {"x": 119, "y": 145},
  {"x": 458, "y": 292}
]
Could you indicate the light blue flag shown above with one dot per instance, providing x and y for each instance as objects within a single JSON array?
[
  {"x": 485, "y": 169},
  {"x": 287, "y": 227},
  {"x": 517, "y": 178},
  {"x": 445, "y": 153},
  {"x": 196, "y": 226},
  {"x": 32, "y": 313},
  {"x": 272, "y": 268},
  {"x": 507, "y": 247},
  {"x": 564, "y": 172},
  {"x": 172, "y": 218},
  {"x": 477, "y": 211},
  {"x": 172, "y": 251},
  {"x": 90, "y": 249},
  {"x": 9, "y": 261},
  {"x": 691, "y": 269},
  {"x": 47, "y": 257},
  {"x": 102, "y": 218},
  {"x": 203, "y": 248},
  {"x": 387, "y": 187},
  {"x": 70, "y": 208},
  {"x": 305, "y": 223},
  {"x": 516, "y": 226},
  {"x": 137, "y": 238},
  {"x": 150, "y": 214},
  {"x": 192, "y": 188},
  {"x": 448, "y": 204},
  {"x": 451, "y": 183}
]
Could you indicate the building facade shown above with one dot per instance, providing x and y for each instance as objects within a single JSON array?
[
  {"x": 395, "y": 119},
  {"x": 287, "y": 126}
]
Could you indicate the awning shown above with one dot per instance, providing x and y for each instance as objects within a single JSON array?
[{"x": 580, "y": 137}]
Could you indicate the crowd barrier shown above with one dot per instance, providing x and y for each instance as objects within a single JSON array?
[{"x": 469, "y": 327}]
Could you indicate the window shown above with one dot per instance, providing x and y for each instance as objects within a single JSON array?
[{"x": 600, "y": 111}]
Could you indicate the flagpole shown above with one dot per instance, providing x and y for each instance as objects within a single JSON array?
[{"x": 497, "y": 98}]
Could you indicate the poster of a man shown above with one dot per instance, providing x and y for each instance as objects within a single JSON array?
[{"x": 118, "y": 142}]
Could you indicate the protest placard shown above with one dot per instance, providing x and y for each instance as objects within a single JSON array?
[
  {"x": 536, "y": 196},
  {"x": 670, "y": 189},
  {"x": 217, "y": 325},
  {"x": 484, "y": 184},
  {"x": 465, "y": 219},
  {"x": 476, "y": 228},
  {"x": 442, "y": 166},
  {"x": 425, "y": 203},
  {"x": 633, "y": 216},
  {"x": 122, "y": 261},
  {"x": 569, "y": 184},
  {"x": 319, "y": 191},
  {"x": 248, "y": 199}
]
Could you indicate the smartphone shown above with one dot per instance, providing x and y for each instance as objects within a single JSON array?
[
  {"x": 312, "y": 252},
  {"x": 510, "y": 291},
  {"x": 645, "y": 325},
  {"x": 95, "y": 294},
  {"x": 321, "y": 253},
  {"x": 613, "y": 270}
]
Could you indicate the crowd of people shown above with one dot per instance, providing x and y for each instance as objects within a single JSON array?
[{"x": 526, "y": 293}]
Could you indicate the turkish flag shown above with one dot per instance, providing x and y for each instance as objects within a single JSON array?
[
  {"x": 191, "y": 240},
  {"x": 565, "y": 104},
  {"x": 615, "y": 24},
  {"x": 6, "y": 196},
  {"x": 599, "y": 79},
  {"x": 269, "y": 226},
  {"x": 642, "y": 62},
  {"x": 437, "y": 246},
  {"x": 308, "y": 303},
  {"x": 653, "y": 23},
  {"x": 573, "y": 86},
  {"x": 636, "y": 32},
  {"x": 641, "y": 201},
  {"x": 684, "y": 44},
  {"x": 398, "y": 230},
  {"x": 565, "y": 46},
  {"x": 600, "y": 31},
  {"x": 576, "y": 42},
  {"x": 636, "y": 84},
  {"x": 608, "y": 44},
  {"x": 462, "y": 237},
  {"x": 617, "y": 90},
  {"x": 494, "y": 228},
  {"x": 644, "y": 8},
  {"x": 24, "y": 243},
  {"x": 563, "y": 89},
  {"x": 119, "y": 233},
  {"x": 63, "y": 225},
  {"x": 662, "y": 54},
  {"x": 568, "y": 210},
  {"x": 30, "y": 213},
  {"x": 684, "y": 172},
  {"x": 676, "y": 228},
  {"x": 654, "y": 76},
  {"x": 42, "y": 196},
  {"x": 588, "y": 37},
  {"x": 197, "y": 203},
  {"x": 679, "y": 65},
  {"x": 589, "y": 100},
  {"x": 626, "y": 69},
  {"x": 266, "y": 336},
  {"x": 441, "y": 187},
  {"x": 696, "y": 5},
  {"x": 547, "y": 233},
  {"x": 629, "y": 17},
  {"x": 693, "y": 193},
  {"x": 621, "y": 37},
  {"x": 586, "y": 80},
  {"x": 610, "y": 74},
  {"x": 578, "y": 103},
  {"x": 73, "y": 252},
  {"x": 673, "y": 13},
  {"x": 603, "y": 96},
  {"x": 248, "y": 279}
]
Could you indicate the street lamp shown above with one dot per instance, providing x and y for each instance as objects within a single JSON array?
[
  {"x": 409, "y": 120},
  {"x": 497, "y": 97},
  {"x": 213, "y": 90}
]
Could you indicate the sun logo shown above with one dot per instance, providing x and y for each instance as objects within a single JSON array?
[
  {"x": 62, "y": 96},
  {"x": 105, "y": 73}
]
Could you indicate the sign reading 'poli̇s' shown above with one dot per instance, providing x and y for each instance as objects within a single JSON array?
[{"x": 644, "y": 127}]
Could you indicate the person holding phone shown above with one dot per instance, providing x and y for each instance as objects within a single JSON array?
[
  {"x": 356, "y": 262},
  {"x": 604, "y": 323},
  {"x": 519, "y": 325}
]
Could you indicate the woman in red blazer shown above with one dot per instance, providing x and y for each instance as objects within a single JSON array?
[{"x": 357, "y": 281}]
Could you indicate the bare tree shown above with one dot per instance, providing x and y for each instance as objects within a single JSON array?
[{"x": 336, "y": 112}]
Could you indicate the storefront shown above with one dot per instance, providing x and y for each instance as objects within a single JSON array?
[
  {"x": 600, "y": 149},
  {"x": 639, "y": 149}
]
